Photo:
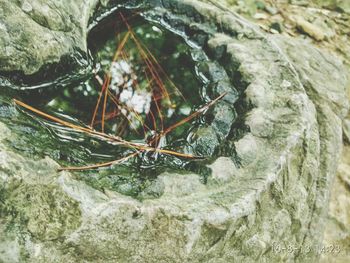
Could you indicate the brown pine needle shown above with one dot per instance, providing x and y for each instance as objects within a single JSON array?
[
  {"x": 129, "y": 18},
  {"x": 113, "y": 139},
  {"x": 159, "y": 114},
  {"x": 153, "y": 72},
  {"x": 163, "y": 71},
  {"x": 116, "y": 55},
  {"x": 157, "y": 106},
  {"x": 109, "y": 116},
  {"x": 104, "y": 109},
  {"x": 121, "y": 46},
  {"x": 193, "y": 115},
  {"x": 105, "y": 85},
  {"x": 155, "y": 75},
  {"x": 121, "y": 129},
  {"x": 118, "y": 105},
  {"x": 79, "y": 128},
  {"x": 146, "y": 58},
  {"x": 153, "y": 120},
  {"x": 95, "y": 166}
]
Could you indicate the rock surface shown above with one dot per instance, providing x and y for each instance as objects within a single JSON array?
[
  {"x": 36, "y": 33},
  {"x": 294, "y": 101},
  {"x": 328, "y": 15},
  {"x": 337, "y": 231}
]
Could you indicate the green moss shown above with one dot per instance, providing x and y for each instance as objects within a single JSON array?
[{"x": 45, "y": 211}]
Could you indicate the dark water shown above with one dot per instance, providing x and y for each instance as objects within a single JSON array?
[{"x": 37, "y": 137}]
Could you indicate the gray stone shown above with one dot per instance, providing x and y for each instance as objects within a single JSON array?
[
  {"x": 337, "y": 230},
  {"x": 34, "y": 33},
  {"x": 204, "y": 141},
  {"x": 224, "y": 170},
  {"x": 311, "y": 29},
  {"x": 274, "y": 197},
  {"x": 224, "y": 116},
  {"x": 342, "y": 5}
]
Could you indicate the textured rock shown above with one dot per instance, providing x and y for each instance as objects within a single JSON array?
[
  {"x": 337, "y": 231},
  {"x": 309, "y": 28},
  {"x": 342, "y": 5},
  {"x": 276, "y": 196},
  {"x": 34, "y": 33}
]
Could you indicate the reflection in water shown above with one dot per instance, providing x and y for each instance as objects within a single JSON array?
[{"x": 132, "y": 83}]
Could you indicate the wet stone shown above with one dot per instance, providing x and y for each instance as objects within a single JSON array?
[
  {"x": 277, "y": 26},
  {"x": 218, "y": 52},
  {"x": 197, "y": 35},
  {"x": 213, "y": 71},
  {"x": 224, "y": 117},
  {"x": 204, "y": 141},
  {"x": 154, "y": 190}
]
